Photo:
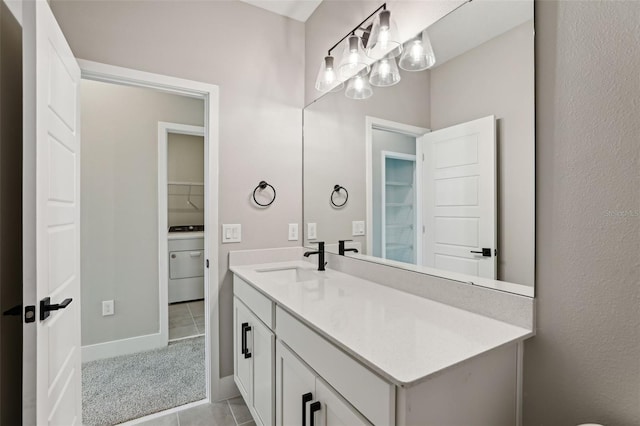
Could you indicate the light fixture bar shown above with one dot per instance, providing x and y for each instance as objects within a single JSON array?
[{"x": 358, "y": 27}]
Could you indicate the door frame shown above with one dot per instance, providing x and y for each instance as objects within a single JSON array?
[
  {"x": 375, "y": 123},
  {"x": 164, "y": 129},
  {"x": 417, "y": 208},
  {"x": 217, "y": 388}
]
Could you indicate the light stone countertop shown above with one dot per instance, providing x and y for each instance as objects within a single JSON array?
[{"x": 403, "y": 337}]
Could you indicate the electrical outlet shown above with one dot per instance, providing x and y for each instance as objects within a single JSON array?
[
  {"x": 293, "y": 232},
  {"x": 312, "y": 231},
  {"x": 231, "y": 233},
  {"x": 357, "y": 227},
  {"x": 107, "y": 308}
]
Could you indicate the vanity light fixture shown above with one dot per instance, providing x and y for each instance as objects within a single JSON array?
[
  {"x": 418, "y": 54},
  {"x": 353, "y": 61},
  {"x": 385, "y": 72},
  {"x": 353, "y": 58},
  {"x": 327, "y": 80},
  {"x": 359, "y": 87},
  {"x": 384, "y": 39}
]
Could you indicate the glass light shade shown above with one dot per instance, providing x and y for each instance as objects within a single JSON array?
[
  {"x": 353, "y": 59},
  {"x": 327, "y": 80},
  {"x": 384, "y": 39},
  {"x": 359, "y": 87},
  {"x": 418, "y": 54},
  {"x": 385, "y": 73}
]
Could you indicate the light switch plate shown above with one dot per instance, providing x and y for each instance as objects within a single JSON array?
[
  {"x": 293, "y": 232},
  {"x": 312, "y": 231},
  {"x": 231, "y": 233},
  {"x": 357, "y": 227}
]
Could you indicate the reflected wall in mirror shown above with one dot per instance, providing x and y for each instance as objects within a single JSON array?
[{"x": 439, "y": 167}]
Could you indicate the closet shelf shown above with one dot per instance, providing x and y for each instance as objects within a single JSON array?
[
  {"x": 398, "y": 226},
  {"x": 395, "y": 183},
  {"x": 399, "y": 204},
  {"x": 177, "y": 183},
  {"x": 392, "y": 246}
]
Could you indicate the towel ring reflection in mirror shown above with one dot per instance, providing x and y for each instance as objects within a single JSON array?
[
  {"x": 263, "y": 185},
  {"x": 336, "y": 190}
]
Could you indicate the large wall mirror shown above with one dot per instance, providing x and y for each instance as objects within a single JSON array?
[{"x": 436, "y": 173}]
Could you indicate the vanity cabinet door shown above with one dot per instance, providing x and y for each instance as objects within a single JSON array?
[
  {"x": 263, "y": 342},
  {"x": 304, "y": 399},
  {"x": 253, "y": 362},
  {"x": 242, "y": 351},
  {"x": 295, "y": 388},
  {"x": 334, "y": 410}
]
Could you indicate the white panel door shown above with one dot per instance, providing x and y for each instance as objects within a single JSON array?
[
  {"x": 459, "y": 198},
  {"x": 295, "y": 388},
  {"x": 51, "y": 218}
]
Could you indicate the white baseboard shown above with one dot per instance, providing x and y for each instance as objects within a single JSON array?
[{"x": 123, "y": 347}]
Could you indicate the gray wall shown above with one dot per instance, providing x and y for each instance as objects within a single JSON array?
[
  {"x": 10, "y": 216},
  {"x": 119, "y": 200},
  {"x": 257, "y": 59},
  {"x": 584, "y": 364},
  {"x": 185, "y": 163},
  {"x": 497, "y": 78},
  {"x": 334, "y": 150}
]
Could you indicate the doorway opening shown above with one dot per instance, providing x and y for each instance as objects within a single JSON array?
[{"x": 149, "y": 167}]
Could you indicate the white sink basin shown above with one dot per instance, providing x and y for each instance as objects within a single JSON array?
[{"x": 290, "y": 274}]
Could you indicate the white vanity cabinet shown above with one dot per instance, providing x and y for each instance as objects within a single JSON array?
[
  {"x": 254, "y": 347},
  {"x": 292, "y": 371},
  {"x": 303, "y": 398}
]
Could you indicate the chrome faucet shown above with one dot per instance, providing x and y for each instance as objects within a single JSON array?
[
  {"x": 320, "y": 253},
  {"x": 342, "y": 250}
]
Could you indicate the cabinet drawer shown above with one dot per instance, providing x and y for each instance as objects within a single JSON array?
[
  {"x": 261, "y": 306},
  {"x": 366, "y": 391}
]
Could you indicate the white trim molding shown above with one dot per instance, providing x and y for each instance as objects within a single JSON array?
[{"x": 122, "y": 347}]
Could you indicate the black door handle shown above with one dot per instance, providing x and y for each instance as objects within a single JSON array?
[
  {"x": 46, "y": 307},
  {"x": 486, "y": 252},
  {"x": 315, "y": 406},
  {"x": 245, "y": 328},
  {"x": 305, "y": 398}
]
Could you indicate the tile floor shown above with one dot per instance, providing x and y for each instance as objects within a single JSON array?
[
  {"x": 232, "y": 412},
  {"x": 186, "y": 319}
]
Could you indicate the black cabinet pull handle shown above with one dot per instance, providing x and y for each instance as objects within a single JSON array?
[
  {"x": 46, "y": 307},
  {"x": 315, "y": 406},
  {"x": 245, "y": 328},
  {"x": 305, "y": 398}
]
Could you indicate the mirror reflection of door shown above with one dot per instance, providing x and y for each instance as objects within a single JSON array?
[{"x": 459, "y": 198}]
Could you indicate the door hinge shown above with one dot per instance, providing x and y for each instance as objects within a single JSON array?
[
  {"x": 495, "y": 252},
  {"x": 207, "y": 263},
  {"x": 422, "y": 157},
  {"x": 30, "y": 313},
  {"x": 423, "y": 229}
]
